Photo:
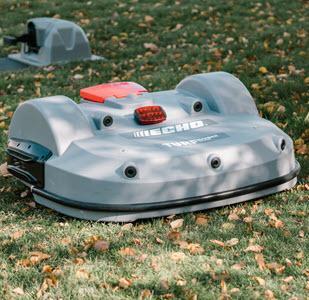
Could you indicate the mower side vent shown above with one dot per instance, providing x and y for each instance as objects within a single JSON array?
[{"x": 26, "y": 161}]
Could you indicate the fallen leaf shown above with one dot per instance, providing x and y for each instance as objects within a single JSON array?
[
  {"x": 78, "y": 261},
  {"x": 219, "y": 243},
  {"x": 254, "y": 248},
  {"x": 159, "y": 241},
  {"x": 148, "y": 19},
  {"x": 228, "y": 226},
  {"x": 195, "y": 248},
  {"x": 25, "y": 263},
  {"x": 174, "y": 235},
  {"x": 17, "y": 235},
  {"x": 181, "y": 282},
  {"x": 277, "y": 268},
  {"x": 168, "y": 296},
  {"x": 146, "y": 294},
  {"x": 263, "y": 70},
  {"x": 269, "y": 295},
  {"x": 127, "y": 251},
  {"x": 47, "y": 269},
  {"x": 164, "y": 284},
  {"x": 78, "y": 76},
  {"x": 177, "y": 256},
  {"x": 127, "y": 226},
  {"x": 101, "y": 245},
  {"x": 247, "y": 220},
  {"x": 50, "y": 281},
  {"x": 233, "y": 217},
  {"x": 201, "y": 221},
  {"x": 259, "y": 280},
  {"x": 234, "y": 290},
  {"x": 288, "y": 279},
  {"x": 176, "y": 223},
  {"x": 82, "y": 274},
  {"x": 182, "y": 244},
  {"x": 238, "y": 266},
  {"x": 37, "y": 256},
  {"x": 152, "y": 47},
  {"x": 18, "y": 291},
  {"x": 259, "y": 258},
  {"x": 124, "y": 283},
  {"x": 232, "y": 242},
  {"x": 4, "y": 171}
]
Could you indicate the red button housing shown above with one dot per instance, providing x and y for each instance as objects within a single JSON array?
[
  {"x": 98, "y": 93},
  {"x": 148, "y": 115}
]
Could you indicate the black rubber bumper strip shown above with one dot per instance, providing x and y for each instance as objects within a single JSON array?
[{"x": 171, "y": 203}]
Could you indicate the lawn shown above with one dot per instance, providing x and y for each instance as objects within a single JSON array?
[{"x": 255, "y": 250}]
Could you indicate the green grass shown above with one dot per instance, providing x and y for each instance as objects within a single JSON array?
[{"x": 270, "y": 34}]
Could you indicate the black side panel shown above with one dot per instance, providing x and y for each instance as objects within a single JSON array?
[{"x": 26, "y": 161}]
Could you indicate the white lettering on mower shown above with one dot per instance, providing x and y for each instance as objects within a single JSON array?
[
  {"x": 195, "y": 141},
  {"x": 170, "y": 129}
]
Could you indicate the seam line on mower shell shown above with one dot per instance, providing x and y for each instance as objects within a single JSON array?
[{"x": 171, "y": 203}]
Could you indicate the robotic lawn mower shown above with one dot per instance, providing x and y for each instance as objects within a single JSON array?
[
  {"x": 124, "y": 153},
  {"x": 47, "y": 41}
]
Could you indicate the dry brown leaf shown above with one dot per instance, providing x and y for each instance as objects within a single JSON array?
[
  {"x": 263, "y": 70},
  {"x": 218, "y": 243},
  {"x": 78, "y": 76},
  {"x": 152, "y": 47},
  {"x": 37, "y": 256},
  {"x": 181, "y": 282},
  {"x": 127, "y": 251},
  {"x": 154, "y": 265},
  {"x": 25, "y": 263},
  {"x": 146, "y": 294},
  {"x": 248, "y": 219},
  {"x": 288, "y": 279},
  {"x": 233, "y": 217},
  {"x": 17, "y": 235},
  {"x": 124, "y": 283},
  {"x": 101, "y": 245},
  {"x": 254, "y": 248},
  {"x": 168, "y": 296},
  {"x": 50, "y": 281},
  {"x": 195, "y": 248},
  {"x": 159, "y": 241},
  {"x": 4, "y": 171},
  {"x": 234, "y": 290},
  {"x": 148, "y": 19},
  {"x": 176, "y": 223},
  {"x": 18, "y": 291},
  {"x": 259, "y": 258},
  {"x": 232, "y": 242},
  {"x": 182, "y": 244},
  {"x": 269, "y": 295},
  {"x": 127, "y": 226},
  {"x": 238, "y": 266},
  {"x": 201, "y": 220},
  {"x": 82, "y": 274},
  {"x": 228, "y": 226},
  {"x": 307, "y": 286},
  {"x": 177, "y": 256},
  {"x": 268, "y": 211},
  {"x": 164, "y": 284},
  {"x": 174, "y": 235},
  {"x": 259, "y": 280},
  {"x": 47, "y": 269},
  {"x": 277, "y": 268}
]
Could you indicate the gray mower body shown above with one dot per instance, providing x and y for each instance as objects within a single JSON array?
[
  {"x": 213, "y": 149},
  {"x": 48, "y": 41}
]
